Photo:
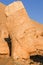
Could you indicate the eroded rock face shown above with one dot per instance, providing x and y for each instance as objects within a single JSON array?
[
  {"x": 4, "y": 49},
  {"x": 26, "y": 34}
]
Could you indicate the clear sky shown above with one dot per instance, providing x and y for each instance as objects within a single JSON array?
[{"x": 34, "y": 8}]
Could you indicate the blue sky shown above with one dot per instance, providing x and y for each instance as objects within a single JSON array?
[{"x": 34, "y": 8}]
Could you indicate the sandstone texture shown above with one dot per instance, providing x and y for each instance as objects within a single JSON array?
[
  {"x": 26, "y": 34},
  {"x": 6, "y": 61},
  {"x": 4, "y": 49}
]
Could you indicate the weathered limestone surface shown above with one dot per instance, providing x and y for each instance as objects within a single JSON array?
[
  {"x": 2, "y": 13},
  {"x": 26, "y": 34},
  {"x": 4, "y": 49}
]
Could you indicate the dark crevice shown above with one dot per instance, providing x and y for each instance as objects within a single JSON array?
[
  {"x": 37, "y": 58},
  {"x": 8, "y": 40}
]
